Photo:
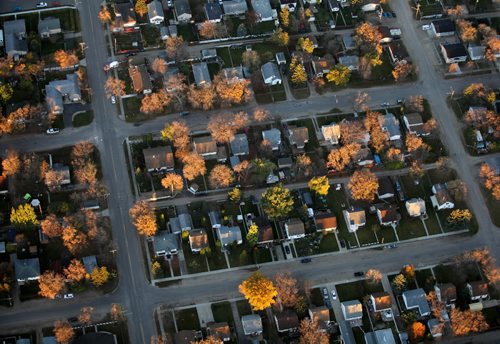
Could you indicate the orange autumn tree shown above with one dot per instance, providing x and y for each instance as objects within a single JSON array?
[
  {"x": 363, "y": 185},
  {"x": 194, "y": 166},
  {"x": 143, "y": 218},
  {"x": 172, "y": 182},
  {"x": 221, "y": 176},
  {"x": 259, "y": 291},
  {"x": 85, "y": 316},
  {"x": 63, "y": 332},
  {"x": 416, "y": 332},
  {"x": 65, "y": 59},
  {"x": 287, "y": 289},
  {"x": 51, "y": 226},
  {"x": 50, "y": 284},
  {"x": 310, "y": 333},
  {"x": 231, "y": 90},
  {"x": 73, "y": 239},
  {"x": 75, "y": 271},
  {"x": 464, "y": 323},
  {"x": 491, "y": 180}
]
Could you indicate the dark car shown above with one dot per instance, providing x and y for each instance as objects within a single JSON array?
[
  {"x": 359, "y": 274},
  {"x": 305, "y": 260},
  {"x": 184, "y": 113},
  {"x": 342, "y": 243},
  {"x": 287, "y": 249},
  {"x": 73, "y": 319},
  {"x": 393, "y": 14}
]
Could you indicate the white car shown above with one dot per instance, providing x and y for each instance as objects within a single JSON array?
[
  {"x": 52, "y": 131},
  {"x": 113, "y": 100},
  {"x": 426, "y": 27},
  {"x": 69, "y": 296},
  {"x": 334, "y": 294},
  {"x": 41, "y": 5}
]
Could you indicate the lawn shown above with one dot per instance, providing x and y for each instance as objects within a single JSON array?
[
  {"x": 337, "y": 202},
  {"x": 238, "y": 256},
  {"x": 195, "y": 262},
  {"x": 131, "y": 107},
  {"x": 222, "y": 312},
  {"x": 328, "y": 244},
  {"x": 83, "y": 118},
  {"x": 187, "y": 319},
  {"x": 357, "y": 290},
  {"x": 316, "y": 297},
  {"x": 493, "y": 206},
  {"x": 225, "y": 55},
  {"x": 262, "y": 255},
  {"x": 409, "y": 227},
  {"x": 243, "y": 308}
]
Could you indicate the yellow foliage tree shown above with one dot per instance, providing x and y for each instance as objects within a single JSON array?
[
  {"x": 285, "y": 17},
  {"x": 339, "y": 75},
  {"x": 141, "y": 7},
  {"x": 460, "y": 215},
  {"x": 298, "y": 72},
  {"x": 99, "y": 276},
  {"x": 259, "y": 291},
  {"x": 277, "y": 202},
  {"x": 305, "y": 44},
  {"x": 172, "y": 182},
  {"x": 24, "y": 216},
  {"x": 65, "y": 59},
  {"x": 319, "y": 185}
]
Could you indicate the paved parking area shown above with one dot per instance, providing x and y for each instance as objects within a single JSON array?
[{"x": 9, "y": 5}]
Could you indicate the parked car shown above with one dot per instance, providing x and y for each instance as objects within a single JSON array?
[
  {"x": 325, "y": 293},
  {"x": 426, "y": 27},
  {"x": 184, "y": 113},
  {"x": 52, "y": 131},
  {"x": 41, "y": 5},
  {"x": 305, "y": 260},
  {"x": 18, "y": 9},
  {"x": 69, "y": 296},
  {"x": 287, "y": 249},
  {"x": 113, "y": 99},
  {"x": 342, "y": 243},
  {"x": 393, "y": 14},
  {"x": 359, "y": 274},
  {"x": 334, "y": 294},
  {"x": 73, "y": 319},
  {"x": 385, "y": 104}
]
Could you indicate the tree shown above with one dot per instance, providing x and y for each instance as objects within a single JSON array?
[
  {"x": 491, "y": 180},
  {"x": 304, "y": 163},
  {"x": 339, "y": 158},
  {"x": 65, "y": 59},
  {"x": 479, "y": 118},
  {"x": 466, "y": 322},
  {"x": 416, "y": 170},
  {"x": 143, "y": 218},
  {"x": 250, "y": 59},
  {"x": 221, "y": 176},
  {"x": 459, "y": 216},
  {"x": 104, "y": 15},
  {"x": 416, "y": 332},
  {"x": 53, "y": 179},
  {"x": 360, "y": 102},
  {"x": 210, "y": 340},
  {"x": 457, "y": 11},
  {"x": 141, "y": 7},
  {"x": 352, "y": 132},
  {"x": 63, "y": 332},
  {"x": 6, "y": 92},
  {"x": 116, "y": 312},
  {"x": 155, "y": 102},
  {"x": 280, "y": 37},
  {"x": 430, "y": 125},
  {"x": 368, "y": 37},
  {"x": 81, "y": 153},
  {"x": 11, "y": 164},
  {"x": 305, "y": 44},
  {"x": 415, "y": 143},
  {"x": 415, "y": 103},
  {"x": 73, "y": 239},
  {"x": 208, "y": 29},
  {"x": 202, "y": 97},
  {"x": 285, "y": 17},
  {"x": 87, "y": 174},
  {"x": 399, "y": 282},
  {"x": 114, "y": 87},
  {"x": 223, "y": 127},
  {"x": 339, "y": 75},
  {"x": 234, "y": 195},
  {"x": 24, "y": 216},
  {"x": 319, "y": 185},
  {"x": 402, "y": 69},
  {"x": 260, "y": 115},
  {"x": 287, "y": 289},
  {"x": 253, "y": 235},
  {"x": 51, "y": 226},
  {"x": 75, "y": 271},
  {"x": 259, "y": 291},
  {"x": 194, "y": 166},
  {"x": 85, "y": 316},
  {"x": 467, "y": 32},
  {"x": 277, "y": 202},
  {"x": 378, "y": 138},
  {"x": 363, "y": 185},
  {"x": 310, "y": 333},
  {"x": 297, "y": 71},
  {"x": 177, "y": 132},
  {"x": 231, "y": 90},
  {"x": 374, "y": 275},
  {"x": 50, "y": 284},
  {"x": 176, "y": 86},
  {"x": 176, "y": 48},
  {"x": 159, "y": 65},
  {"x": 99, "y": 276},
  {"x": 172, "y": 182},
  {"x": 393, "y": 154}
]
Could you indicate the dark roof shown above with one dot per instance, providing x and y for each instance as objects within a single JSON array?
[
  {"x": 448, "y": 291},
  {"x": 265, "y": 230},
  {"x": 443, "y": 25},
  {"x": 382, "y": 301},
  {"x": 398, "y": 50},
  {"x": 205, "y": 145},
  {"x": 325, "y": 221},
  {"x": 220, "y": 331},
  {"x": 27, "y": 269},
  {"x": 385, "y": 186},
  {"x": 479, "y": 288},
  {"x": 185, "y": 337},
  {"x": 158, "y": 157},
  {"x": 96, "y": 338},
  {"x": 389, "y": 214},
  {"x": 213, "y": 11},
  {"x": 364, "y": 154},
  {"x": 287, "y": 320},
  {"x": 384, "y": 31},
  {"x": 455, "y": 50},
  {"x": 140, "y": 78},
  {"x": 442, "y": 194},
  {"x": 182, "y": 7}
]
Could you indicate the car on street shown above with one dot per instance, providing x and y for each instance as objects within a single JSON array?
[
  {"x": 400, "y": 101},
  {"x": 334, "y": 294},
  {"x": 287, "y": 250},
  {"x": 41, "y": 5},
  {"x": 52, "y": 131},
  {"x": 359, "y": 274},
  {"x": 325, "y": 293},
  {"x": 393, "y": 14},
  {"x": 385, "y": 104},
  {"x": 18, "y": 9},
  {"x": 73, "y": 319},
  {"x": 184, "y": 113},
  {"x": 113, "y": 99},
  {"x": 426, "y": 27},
  {"x": 305, "y": 260},
  {"x": 69, "y": 296}
]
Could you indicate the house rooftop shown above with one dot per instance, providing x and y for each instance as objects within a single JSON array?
[
  {"x": 201, "y": 74},
  {"x": 273, "y": 136},
  {"x": 229, "y": 235},
  {"x": 185, "y": 337},
  {"x": 325, "y": 221},
  {"x": 48, "y": 24},
  {"x": 357, "y": 216},
  {"x": 158, "y": 158},
  {"x": 479, "y": 288},
  {"x": 382, "y": 300},
  {"x": 388, "y": 213},
  {"x": 220, "y": 330},
  {"x": 262, "y": 8},
  {"x": 443, "y": 25},
  {"x": 239, "y": 145},
  {"x": 182, "y": 7},
  {"x": 165, "y": 242},
  {"x": 286, "y": 320},
  {"x": 205, "y": 145},
  {"x": 155, "y": 9},
  {"x": 384, "y": 336},
  {"x": 213, "y": 11},
  {"x": 331, "y": 132},
  {"x": 141, "y": 80},
  {"x": 390, "y": 123},
  {"x": 385, "y": 186},
  {"x": 214, "y": 217},
  {"x": 455, "y": 50},
  {"x": 27, "y": 269},
  {"x": 298, "y": 136},
  {"x": 90, "y": 263},
  {"x": 270, "y": 70},
  {"x": 294, "y": 227},
  {"x": 198, "y": 239},
  {"x": 56, "y": 90},
  {"x": 447, "y": 292},
  {"x": 251, "y": 324},
  {"x": 352, "y": 309},
  {"x": 442, "y": 194},
  {"x": 415, "y": 207},
  {"x": 234, "y": 7},
  {"x": 416, "y": 298},
  {"x": 414, "y": 118}
]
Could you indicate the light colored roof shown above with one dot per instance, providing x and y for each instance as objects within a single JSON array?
[
  {"x": 390, "y": 123},
  {"x": 416, "y": 298},
  {"x": 233, "y": 72},
  {"x": 348, "y": 41},
  {"x": 331, "y": 132},
  {"x": 198, "y": 239},
  {"x": 64, "y": 171},
  {"x": 384, "y": 336},
  {"x": 165, "y": 242},
  {"x": 349, "y": 60},
  {"x": 205, "y": 145},
  {"x": 90, "y": 263},
  {"x": 14, "y": 26},
  {"x": 158, "y": 157},
  {"x": 228, "y": 235},
  {"x": 415, "y": 207},
  {"x": 201, "y": 74},
  {"x": 235, "y": 7},
  {"x": 442, "y": 194},
  {"x": 273, "y": 136},
  {"x": 382, "y": 300},
  {"x": 48, "y": 24},
  {"x": 295, "y": 226},
  {"x": 357, "y": 216},
  {"x": 49, "y": 340},
  {"x": 262, "y": 8},
  {"x": 239, "y": 144},
  {"x": 352, "y": 309},
  {"x": 251, "y": 323},
  {"x": 220, "y": 331},
  {"x": 55, "y": 90},
  {"x": 321, "y": 314},
  {"x": 185, "y": 220},
  {"x": 27, "y": 269},
  {"x": 270, "y": 70}
]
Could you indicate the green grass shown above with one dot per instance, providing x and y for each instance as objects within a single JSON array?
[
  {"x": 222, "y": 312},
  {"x": 239, "y": 256},
  {"x": 432, "y": 222},
  {"x": 195, "y": 262},
  {"x": 262, "y": 255},
  {"x": 243, "y": 308},
  {"x": 493, "y": 206},
  {"x": 357, "y": 290},
  {"x": 187, "y": 319},
  {"x": 225, "y": 55},
  {"x": 84, "y": 118},
  {"x": 186, "y": 31},
  {"x": 328, "y": 244},
  {"x": 131, "y": 107},
  {"x": 410, "y": 228},
  {"x": 151, "y": 35}
]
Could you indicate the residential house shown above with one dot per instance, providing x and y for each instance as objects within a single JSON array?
[
  {"x": 59, "y": 92},
  {"x": 159, "y": 158},
  {"x": 141, "y": 81},
  {"x": 441, "y": 198},
  {"x": 476, "y": 52},
  {"x": 414, "y": 124},
  {"x": 385, "y": 34},
  {"x": 417, "y": 299},
  {"x": 124, "y": 16},
  {"x": 322, "y": 316},
  {"x": 331, "y": 133},
  {"x": 435, "y": 328},
  {"x": 443, "y": 27},
  {"x": 415, "y": 207},
  {"x": 186, "y": 337},
  {"x": 252, "y": 324},
  {"x": 280, "y": 58},
  {"x": 213, "y": 12},
  {"x": 235, "y": 7},
  {"x": 215, "y": 220},
  {"x": 229, "y": 235},
  {"x": 155, "y": 12},
  {"x": 370, "y": 5},
  {"x": 353, "y": 312},
  {"x": 384, "y": 336},
  {"x": 333, "y": 5},
  {"x": 477, "y": 290},
  {"x": 219, "y": 331},
  {"x": 263, "y": 10},
  {"x": 233, "y": 74},
  {"x": 348, "y": 42},
  {"x": 364, "y": 157},
  {"x": 381, "y": 301},
  {"x": 164, "y": 33},
  {"x": 221, "y": 154},
  {"x": 325, "y": 222},
  {"x": 273, "y": 136},
  {"x": 385, "y": 188},
  {"x": 239, "y": 145},
  {"x": 62, "y": 171},
  {"x": 201, "y": 74},
  {"x": 48, "y": 27},
  {"x": 182, "y": 10},
  {"x": 270, "y": 73},
  {"x": 286, "y": 321},
  {"x": 294, "y": 229},
  {"x": 397, "y": 51},
  {"x": 207, "y": 54},
  {"x": 321, "y": 66},
  {"x": 90, "y": 263},
  {"x": 182, "y": 222},
  {"x": 350, "y": 61},
  {"x": 354, "y": 217},
  {"x": 165, "y": 243},
  {"x": 390, "y": 125},
  {"x": 285, "y": 162},
  {"x": 388, "y": 216},
  {"x": 266, "y": 234},
  {"x": 14, "y": 32},
  {"x": 446, "y": 293},
  {"x": 198, "y": 240},
  {"x": 454, "y": 53},
  {"x": 298, "y": 136},
  {"x": 205, "y": 146},
  {"x": 26, "y": 270}
]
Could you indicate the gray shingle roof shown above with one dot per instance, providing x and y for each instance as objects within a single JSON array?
[
  {"x": 48, "y": 25},
  {"x": 155, "y": 9},
  {"x": 201, "y": 74},
  {"x": 164, "y": 242},
  {"x": 228, "y": 235},
  {"x": 273, "y": 136},
  {"x": 262, "y": 8},
  {"x": 27, "y": 269},
  {"x": 239, "y": 145},
  {"x": 416, "y": 298},
  {"x": 56, "y": 89},
  {"x": 235, "y": 7}
]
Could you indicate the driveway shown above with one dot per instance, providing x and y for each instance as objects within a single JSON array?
[{"x": 69, "y": 111}]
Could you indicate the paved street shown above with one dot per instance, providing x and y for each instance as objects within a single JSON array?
[{"x": 138, "y": 296}]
